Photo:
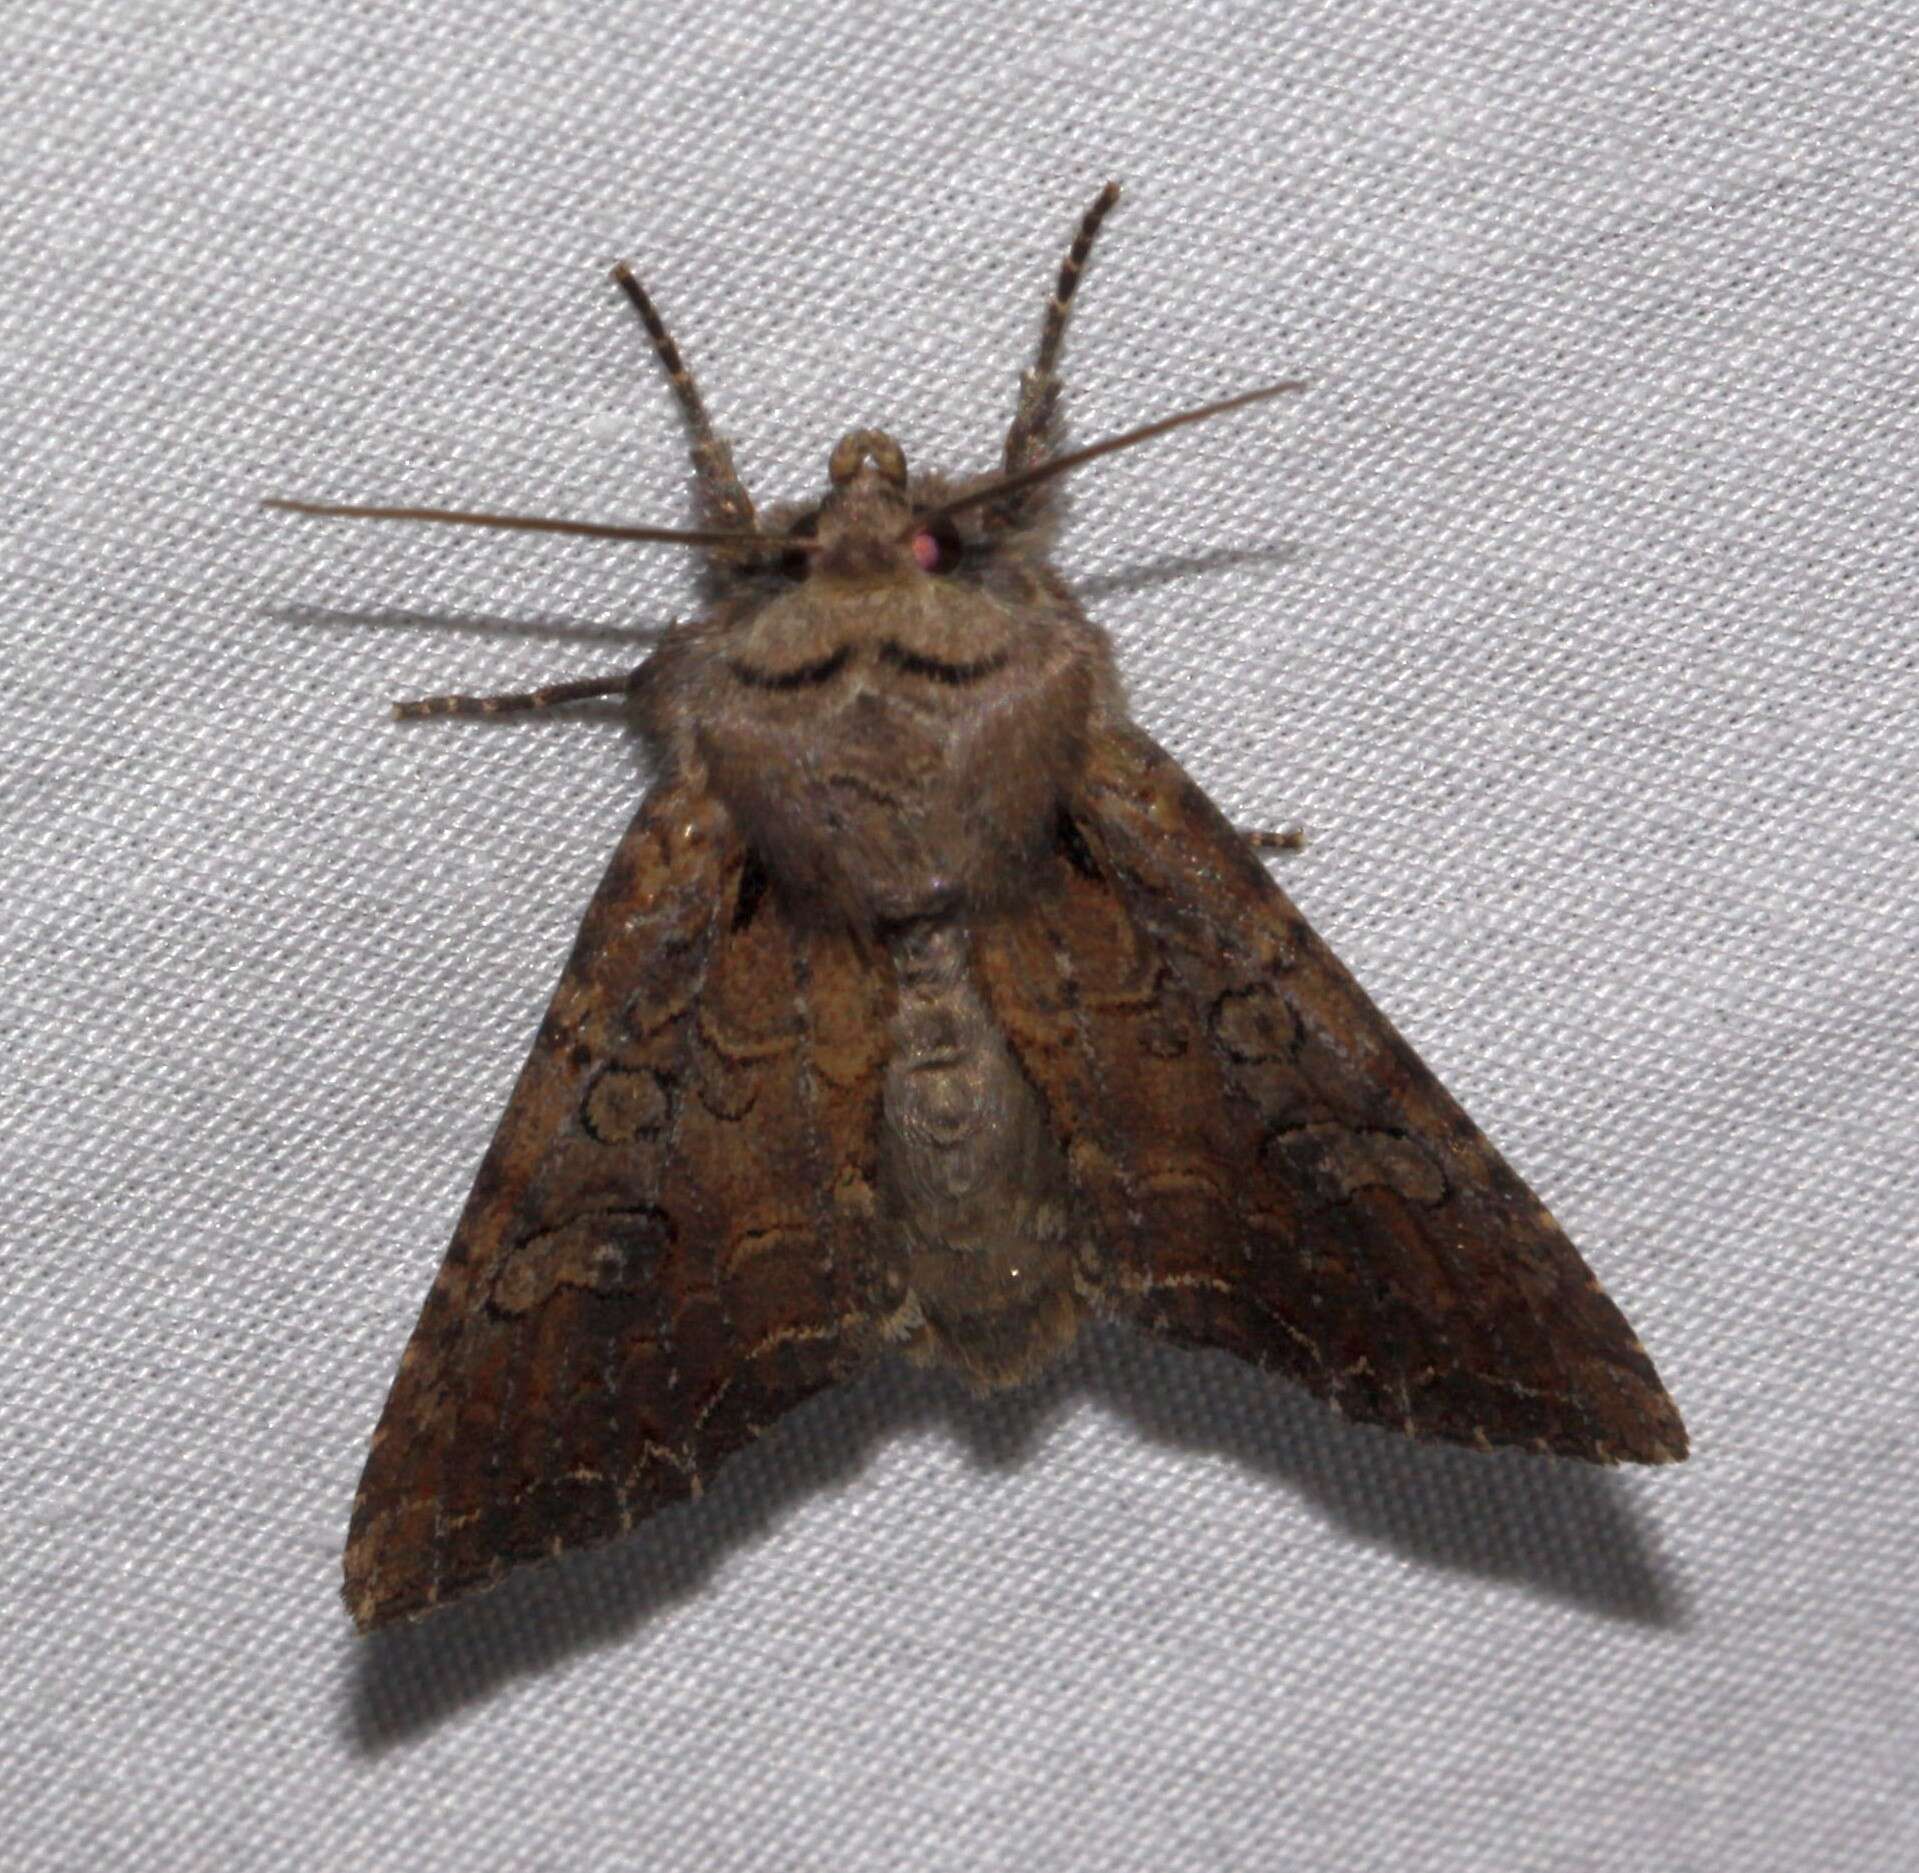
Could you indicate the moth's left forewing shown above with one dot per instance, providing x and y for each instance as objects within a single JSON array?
[
  {"x": 1263, "y": 1163},
  {"x": 665, "y": 1246}
]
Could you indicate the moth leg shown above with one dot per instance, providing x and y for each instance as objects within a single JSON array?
[
  {"x": 1288, "y": 839},
  {"x": 722, "y": 493},
  {"x": 1031, "y": 433},
  {"x": 581, "y": 689}
]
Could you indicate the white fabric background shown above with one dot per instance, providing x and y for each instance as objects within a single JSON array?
[{"x": 1571, "y": 612}]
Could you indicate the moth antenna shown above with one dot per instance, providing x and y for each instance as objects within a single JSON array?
[
  {"x": 532, "y": 523},
  {"x": 725, "y": 494},
  {"x": 1059, "y": 464},
  {"x": 1032, "y": 423},
  {"x": 581, "y": 689}
]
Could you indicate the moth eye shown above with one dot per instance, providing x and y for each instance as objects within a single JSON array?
[
  {"x": 938, "y": 548},
  {"x": 796, "y": 566}
]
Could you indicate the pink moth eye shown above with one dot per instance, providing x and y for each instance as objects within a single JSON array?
[{"x": 938, "y": 547}]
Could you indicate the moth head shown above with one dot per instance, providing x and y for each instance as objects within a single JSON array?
[
  {"x": 874, "y": 531},
  {"x": 875, "y": 524},
  {"x": 872, "y": 499},
  {"x": 862, "y": 528}
]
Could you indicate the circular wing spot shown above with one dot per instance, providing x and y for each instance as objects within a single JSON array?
[
  {"x": 622, "y": 1104},
  {"x": 1254, "y": 1024}
]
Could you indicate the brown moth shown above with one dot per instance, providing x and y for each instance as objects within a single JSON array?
[{"x": 928, "y": 1005}]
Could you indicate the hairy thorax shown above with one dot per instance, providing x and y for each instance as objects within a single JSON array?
[{"x": 892, "y": 748}]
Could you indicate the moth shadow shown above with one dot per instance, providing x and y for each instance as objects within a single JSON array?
[
  {"x": 1559, "y": 1529},
  {"x": 581, "y": 631},
  {"x": 1563, "y": 1530},
  {"x": 1173, "y": 568},
  {"x": 407, "y": 1679}
]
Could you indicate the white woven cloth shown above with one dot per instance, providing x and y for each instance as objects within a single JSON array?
[{"x": 1571, "y": 612}]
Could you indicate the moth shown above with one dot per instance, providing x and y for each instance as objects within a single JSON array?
[{"x": 928, "y": 1007}]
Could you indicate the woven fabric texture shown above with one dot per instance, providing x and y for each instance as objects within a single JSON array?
[{"x": 1570, "y": 612}]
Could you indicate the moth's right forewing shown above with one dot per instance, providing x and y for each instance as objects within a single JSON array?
[
  {"x": 1267, "y": 1167},
  {"x": 662, "y": 1249}
]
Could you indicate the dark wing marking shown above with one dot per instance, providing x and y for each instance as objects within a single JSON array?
[
  {"x": 941, "y": 669},
  {"x": 664, "y": 1248},
  {"x": 801, "y": 676},
  {"x": 1267, "y": 1166}
]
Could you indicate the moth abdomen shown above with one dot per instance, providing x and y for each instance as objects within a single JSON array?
[{"x": 972, "y": 1183}]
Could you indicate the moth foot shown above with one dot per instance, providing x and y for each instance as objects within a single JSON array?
[{"x": 1291, "y": 839}]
